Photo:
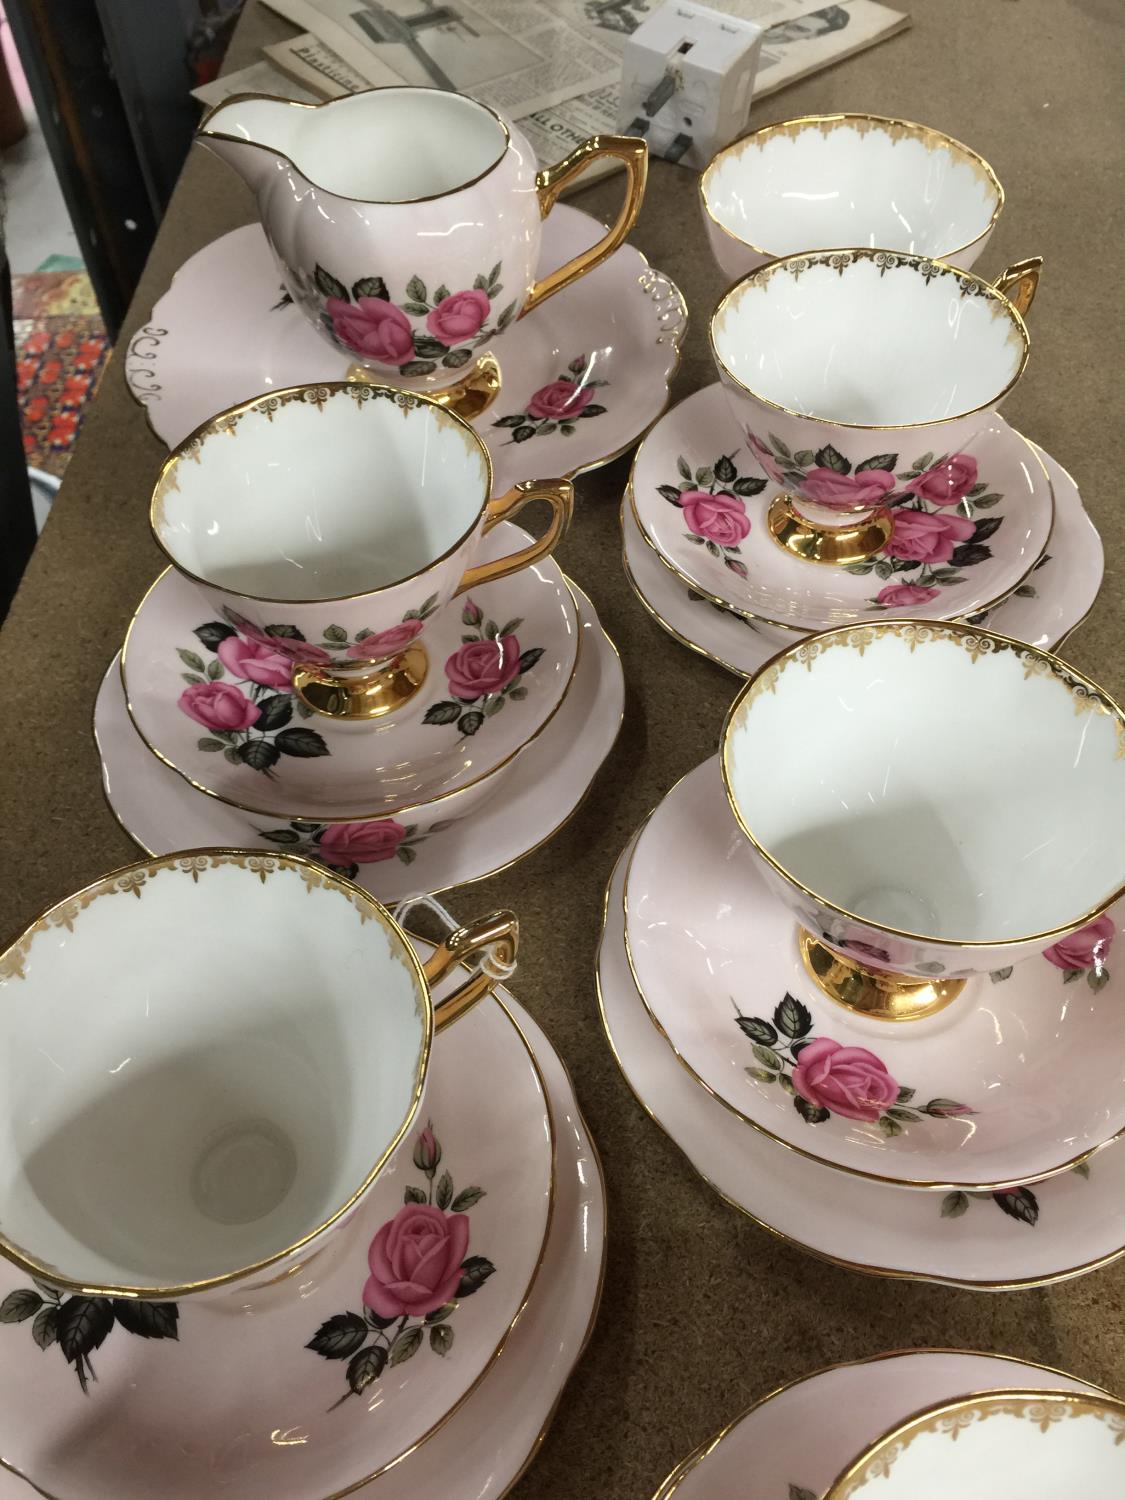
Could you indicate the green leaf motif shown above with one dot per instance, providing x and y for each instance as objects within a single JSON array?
[
  {"x": 986, "y": 502},
  {"x": 339, "y": 636},
  {"x": 593, "y": 410},
  {"x": 328, "y": 286},
  {"x": 782, "y": 448},
  {"x": 748, "y": 486},
  {"x": 148, "y": 1320},
  {"x": 704, "y": 476},
  {"x": 475, "y": 1271},
  {"x": 416, "y": 289},
  {"x": 281, "y": 835},
  {"x": 19, "y": 1305},
  {"x": 274, "y": 712},
  {"x": 1020, "y": 1204},
  {"x": 521, "y": 434},
  {"x": 441, "y": 1339},
  {"x": 340, "y": 1337},
  {"x": 406, "y": 1345},
  {"x": 45, "y": 1329},
  {"x": 417, "y": 367},
  {"x": 725, "y": 470},
  {"x": 208, "y": 744},
  {"x": 405, "y": 854},
  {"x": 761, "y": 1075},
  {"x": 953, "y": 1205},
  {"x": 472, "y": 614},
  {"x": 471, "y": 722},
  {"x": 442, "y": 713},
  {"x": 828, "y": 458},
  {"x": 444, "y": 1194},
  {"x": 757, "y": 1030},
  {"x": 466, "y": 1198},
  {"x": 440, "y": 1314},
  {"x": 441, "y": 294},
  {"x": 494, "y": 274},
  {"x": 804, "y": 458},
  {"x": 1083, "y": 1170},
  {"x": 259, "y": 755},
  {"x": 213, "y": 634},
  {"x": 413, "y": 1195},
  {"x": 428, "y": 348},
  {"x": 304, "y": 744},
  {"x": 1097, "y": 978},
  {"x": 668, "y": 492},
  {"x": 190, "y": 659},
  {"x": 366, "y": 1367},
  {"x": 1027, "y": 591},
  {"x": 768, "y": 1057},
  {"x": 83, "y": 1325},
  {"x": 516, "y": 419},
  {"x": 897, "y": 1112},
  {"x": 371, "y": 286},
  {"x": 215, "y": 670},
  {"x": 529, "y": 657},
  {"x": 456, "y": 358},
  {"x": 889, "y": 1127},
  {"x": 988, "y": 527},
  {"x": 192, "y": 677},
  {"x": 284, "y": 632},
  {"x": 880, "y": 461},
  {"x": 506, "y": 315},
  {"x": 792, "y": 1018},
  {"x": 999, "y": 975},
  {"x": 905, "y": 1095},
  {"x": 813, "y": 1113},
  {"x": 797, "y": 1493},
  {"x": 682, "y": 466},
  {"x": 417, "y": 309}
]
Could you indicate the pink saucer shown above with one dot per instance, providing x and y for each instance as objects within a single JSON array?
[
  {"x": 699, "y": 494},
  {"x": 1044, "y": 610},
  {"x": 501, "y": 661},
  {"x": 222, "y": 334}
]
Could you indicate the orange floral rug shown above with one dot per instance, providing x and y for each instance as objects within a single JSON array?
[{"x": 61, "y": 349}]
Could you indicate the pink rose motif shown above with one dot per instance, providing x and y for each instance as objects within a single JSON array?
[
  {"x": 386, "y": 642},
  {"x": 1088, "y": 948},
  {"x": 415, "y": 1261},
  {"x": 560, "y": 399},
  {"x": 361, "y": 843},
  {"x": 254, "y": 662},
  {"x": 285, "y": 645},
  {"x": 373, "y": 328},
  {"x": 218, "y": 705},
  {"x": 459, "y": 316},
  {"x": 897, "y": 595},
  {"x": 848, "y": 492},
  {"x": 765, "y": 457},
  {"x": 923, "y": 537},
  {"x": 480, "y": 667},
  {"x": 947, "y": 483},
  {"x": 850, "y": 1081},
  {"x": 720, "y": 518},
  {"x": 427, "y": 1152}
]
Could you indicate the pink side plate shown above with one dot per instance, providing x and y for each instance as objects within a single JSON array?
[
  {"x": 1021, "y": 1077},
  {"x": 797, "y": 1439},
  {"x": 583, "y": 376},
  {"x": 1034, "y": 1235},
  {"x": 534, "y": 797},
  {"x": 968, "y": 528},
  {"x": 1044, "y": 610}
]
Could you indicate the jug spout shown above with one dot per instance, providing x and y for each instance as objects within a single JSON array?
[{"x": 252, "y": 133}]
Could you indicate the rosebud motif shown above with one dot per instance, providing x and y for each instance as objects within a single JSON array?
[{"x": 427, "y": 1152}]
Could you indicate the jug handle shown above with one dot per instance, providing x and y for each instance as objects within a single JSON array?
[
  {"x": 498, "y": 935},
  {"x": 550, "y": 182},
  {"x": 1019, "y": 282}
]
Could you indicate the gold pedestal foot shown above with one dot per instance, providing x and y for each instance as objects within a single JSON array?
[
  {"x": 472, "y": 395},
  {"x": 835, "y": 545},
  {"x": 880, "y": 994},
  {"x": 363, "y": 693}
]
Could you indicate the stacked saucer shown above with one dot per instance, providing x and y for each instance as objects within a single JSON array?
[
  {"x": 864, "y": 980},
  {"x": 846, "y": 1431},
  {"x": 849, "y": 462},
  {"x": 381, "y": 674}
]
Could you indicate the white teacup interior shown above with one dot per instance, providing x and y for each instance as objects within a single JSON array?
[
  {"x": 892, "y": 187},
  {"x": 392, "y": 145},
  {"x": 199, "y": 1074},
  {"x": 322, "y": 500},
  {"x": 868, "y": 344},
  {"x": 933, "y": 793}
]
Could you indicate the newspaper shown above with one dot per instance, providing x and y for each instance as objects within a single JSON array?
[
  {"x": 518, "y": 56},
  {"x": 797, "y": 43}
]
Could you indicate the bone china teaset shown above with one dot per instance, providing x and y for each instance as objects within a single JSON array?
[{"x": 858, "y": 966}]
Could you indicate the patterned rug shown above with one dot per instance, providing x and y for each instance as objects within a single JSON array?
[{"x": 61, "y": 348}]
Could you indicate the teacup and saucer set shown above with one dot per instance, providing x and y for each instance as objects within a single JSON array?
[
  {"x": 265, "y": 1230},
  {"x": 353, "y": 655},
  {"x": 442, "y": 264},
  {"x": 849, "y": 462},
  {"x": 917, "y": 1424},
  {"x": 862, "y": 972}
]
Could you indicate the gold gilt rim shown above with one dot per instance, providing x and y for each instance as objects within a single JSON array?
[
  {"x": 927, "y": 134},
  {"x": 805, "y": 630},
  {"x": 705, "y": 1449},
  {"x": 496, "y": 1354},
  {"x": 402, "y": 809},
  {"x": 916, "y": 1184},
  {"x": 890, "y": 1273},
  {"x": 185, "y": 861},
  {"x": 899, "y": 257},
  {"x": 675, "y": 337},
  {"x": 459, "y": 884},
  {"x": 651, "y": 610},
  {"x": 203, "y": 134},
  {"x": 981, "y": 1404},
  {"x": 1089, "y": 694},
  {"x": 310, "y": 394}
]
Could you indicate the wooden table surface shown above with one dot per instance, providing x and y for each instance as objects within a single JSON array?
[{"x": 703, "y": 1312}]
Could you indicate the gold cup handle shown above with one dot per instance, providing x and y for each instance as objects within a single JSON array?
[
  {"x": 1020, "y": 282},
  {"x": 550, "y": 182},
  {"x": 559, "y": 495},
  {"x": 500, "y": 933}
]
